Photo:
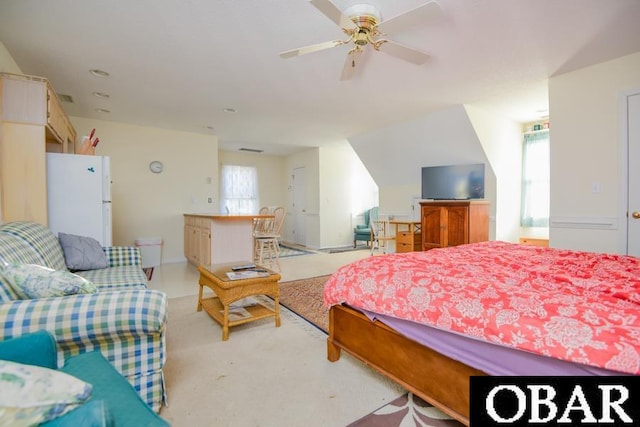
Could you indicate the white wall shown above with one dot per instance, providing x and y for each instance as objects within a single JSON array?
[
  {"x": 346, "y": 190},
  {"x": 7, "y": 63},
  {"x": 395, "y": 155},
  {"x": 585, "y": 149},
  {"x": 501, "y": 139},
  {"x": 152, "y": 205},
  {"x": 338, "y": 187},
  {"x": 272, "y": 183}
]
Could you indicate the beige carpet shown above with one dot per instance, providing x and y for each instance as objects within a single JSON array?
[
  {"x": 263, "y": 375},
  {"x": 304, "y": 297}
]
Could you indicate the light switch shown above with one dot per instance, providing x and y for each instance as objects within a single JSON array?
[{"x": 595, "y": 187}]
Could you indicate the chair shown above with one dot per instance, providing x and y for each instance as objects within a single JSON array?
[
  {"x": 113, "y": 400},
  {"x": 362, "y": 232},
  {"x": 261, "y": 224},
  {"x": 381, "y": 230},
  {"x": 266, "y": 238}
]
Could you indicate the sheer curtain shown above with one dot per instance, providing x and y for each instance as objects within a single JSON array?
[
  {"x": 535, "y": 180},
  {"x": 239, "y": 189}
]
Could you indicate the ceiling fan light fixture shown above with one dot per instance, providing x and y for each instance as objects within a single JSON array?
[
  {"x": 363, "y": 10},
  {"x": 363, "y": 24}
]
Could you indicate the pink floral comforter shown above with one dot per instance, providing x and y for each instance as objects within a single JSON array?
[{"x": 578, "y": 306}]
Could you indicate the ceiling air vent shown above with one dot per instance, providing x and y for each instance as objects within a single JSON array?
[
  {"x": 65, "y": 98},
  {"x": 252, "y": 150}
]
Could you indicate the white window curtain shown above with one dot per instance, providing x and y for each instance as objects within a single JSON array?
[
  {"x": 535, "y": 180},
  {"x": 239, "y": 189}
]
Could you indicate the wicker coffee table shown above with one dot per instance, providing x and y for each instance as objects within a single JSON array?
[{"x": 228, "y": 291}]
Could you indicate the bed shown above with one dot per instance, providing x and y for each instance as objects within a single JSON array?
[{"x": 430, "y": 320}]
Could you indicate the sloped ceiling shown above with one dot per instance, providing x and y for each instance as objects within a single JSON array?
[
  {"x": 442, "y": 138},
  {"x": 179, "y": 64}
]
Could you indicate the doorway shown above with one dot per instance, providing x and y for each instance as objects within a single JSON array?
[
  {"x": 299, "y": 206},
  {"x": 631, "y": 128}
]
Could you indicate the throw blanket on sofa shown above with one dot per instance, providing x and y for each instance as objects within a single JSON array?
[{"x": 577, "y": 306}]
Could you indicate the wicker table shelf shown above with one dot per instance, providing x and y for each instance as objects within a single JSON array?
[{"x": 228, "y": 291}]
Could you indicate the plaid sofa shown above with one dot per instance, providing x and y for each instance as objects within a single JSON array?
[{"x": 124, "y": 320}]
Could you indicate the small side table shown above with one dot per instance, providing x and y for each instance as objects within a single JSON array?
[
  {"x": 408, "y": 239},
  {"x": 228, "y": 291}
]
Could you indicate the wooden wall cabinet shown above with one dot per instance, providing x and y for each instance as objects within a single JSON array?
[
  {"x": 197, "y": 240},
  {"x": 453, "y": 222},
  {"x": 32, "y": 122},
  {"x": 61, "y": 136}
]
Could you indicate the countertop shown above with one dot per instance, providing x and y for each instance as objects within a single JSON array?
[{"x": 219, "y": 216}]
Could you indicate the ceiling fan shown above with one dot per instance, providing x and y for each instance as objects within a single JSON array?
[{"x": 364, "y": 26}]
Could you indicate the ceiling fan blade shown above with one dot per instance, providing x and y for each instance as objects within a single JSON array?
[
  {"x": 351, "y": 63},
  {"x": 310, "y": 49},
  {"x": 332, "y": 12},
  {"x": 417, "y": 16},
  {"x": 403, "y": 52}
]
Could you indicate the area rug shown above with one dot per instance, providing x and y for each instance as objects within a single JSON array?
[
  {"x": 407, "y": 411},
  {"x": 304, "y": 297},
  {"x": 347, "y": 249},
  {"x": 288, "y": 251}
]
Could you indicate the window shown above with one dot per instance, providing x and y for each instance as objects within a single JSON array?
[
  {"x": 535, "y": 180},
  {"x": 239, "y": 189}
]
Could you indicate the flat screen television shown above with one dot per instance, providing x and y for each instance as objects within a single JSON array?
[{"x": 454, "y": 182}]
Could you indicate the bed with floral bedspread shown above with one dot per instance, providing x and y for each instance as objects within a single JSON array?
[{"x": 578, "y": 307}]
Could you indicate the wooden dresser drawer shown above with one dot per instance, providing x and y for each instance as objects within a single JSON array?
[
  {"x": 534, "y": 241},
  {"x": 408, "y": 242},
  {"x": 406, "y": 237}
]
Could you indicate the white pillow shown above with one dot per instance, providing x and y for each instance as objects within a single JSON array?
[
  {"x": 31, "y": 395},
  {"x": 30, "y": 281}
]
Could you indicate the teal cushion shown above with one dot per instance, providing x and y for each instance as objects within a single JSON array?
[
  {"x": 124, "y": 402},
  {"x": 31, "y": 281},
  {"x": 94, "y": 413},
  {"x": 35, "y": 348},
  {"x": 32, "y": 394}
]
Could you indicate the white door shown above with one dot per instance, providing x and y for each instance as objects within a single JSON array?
[
  {"x": 299, "y": 208},
  {"x": 633, "y": 159}
]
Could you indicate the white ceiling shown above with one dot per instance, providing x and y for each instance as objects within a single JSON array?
[{"x": 177, "y": 64}]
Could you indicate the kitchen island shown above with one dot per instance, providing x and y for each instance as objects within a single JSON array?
[{"x": 214, "y": 238}]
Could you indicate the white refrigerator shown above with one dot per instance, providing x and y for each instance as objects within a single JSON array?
[{"x": 79, "y": 195}]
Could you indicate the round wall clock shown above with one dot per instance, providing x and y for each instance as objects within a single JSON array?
[{"x": 155, "y": 166}]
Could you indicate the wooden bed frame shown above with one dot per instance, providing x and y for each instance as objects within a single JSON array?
[{"x": 435, "y": 378}]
